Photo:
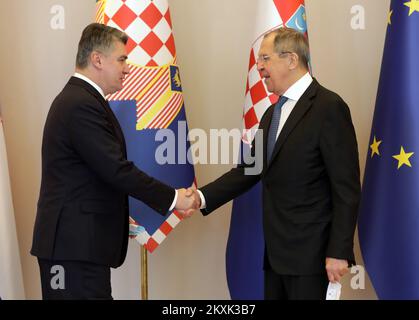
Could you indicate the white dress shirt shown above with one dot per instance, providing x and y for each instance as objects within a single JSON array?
[{"x": 293, "y": 94}]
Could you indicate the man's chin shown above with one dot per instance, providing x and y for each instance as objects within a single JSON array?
[
  {"x": 119, "y": 88},
  {"x": 269, "y": 89},
  {"x": 268, "y": 85}
]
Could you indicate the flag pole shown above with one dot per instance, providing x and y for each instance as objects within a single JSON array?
[{"x": 144, "y": 274}]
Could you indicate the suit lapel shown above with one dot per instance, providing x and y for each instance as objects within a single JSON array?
[
  {"x": 300, "y": 109},
  {"x": 111, "y": 116},
  {"x": 118, "y": 130},
  {"x": 114, "y": 120}
]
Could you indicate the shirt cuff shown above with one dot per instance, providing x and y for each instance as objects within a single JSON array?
[
  {"x": 174, "y": 202},
  {"x": 203, "y": 202}
]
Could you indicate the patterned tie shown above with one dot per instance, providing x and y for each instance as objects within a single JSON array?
[{"x": 273, "y": 129}]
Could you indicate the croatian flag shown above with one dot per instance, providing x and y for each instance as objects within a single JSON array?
[
  {"x": 150, "y": 101},
  {"x": 245, "y": 247}
]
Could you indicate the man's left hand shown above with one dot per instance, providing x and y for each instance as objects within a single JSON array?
[{"x": 336, "y": 269}]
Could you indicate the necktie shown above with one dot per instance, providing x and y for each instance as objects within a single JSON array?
[{"x": 273, "y": 129}]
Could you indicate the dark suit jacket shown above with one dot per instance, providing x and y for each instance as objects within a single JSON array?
[
  {"x": 86, "y": 179},
  {"x": 311, "y": 187}
]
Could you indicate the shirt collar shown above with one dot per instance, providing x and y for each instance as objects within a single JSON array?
[
  {"x": 93, "y": 84},
  {"x": 297, "y": 89}
]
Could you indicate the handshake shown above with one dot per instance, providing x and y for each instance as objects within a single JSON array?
[{"x": 188, "y": 201}]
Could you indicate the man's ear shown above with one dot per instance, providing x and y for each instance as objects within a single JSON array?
[
  {"x": 294, "y": 61},
  {"x": 96, "y": 59}
]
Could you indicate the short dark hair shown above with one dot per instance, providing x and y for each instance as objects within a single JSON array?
[
  {"x": 98, "y": 37},
  {"x": 291, "y": 40}
]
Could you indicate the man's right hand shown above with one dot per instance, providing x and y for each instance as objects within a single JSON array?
[{"x": 188, "y": 202}]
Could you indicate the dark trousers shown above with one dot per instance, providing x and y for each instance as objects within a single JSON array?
[
  {"x": 287, "y": 287},
  {"x": 74, "y": 280}
]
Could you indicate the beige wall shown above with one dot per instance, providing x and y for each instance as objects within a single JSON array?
[{"x": 213, "y": 40}]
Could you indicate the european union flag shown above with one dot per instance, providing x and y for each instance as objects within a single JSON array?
[{"x": 389, "y": 216}]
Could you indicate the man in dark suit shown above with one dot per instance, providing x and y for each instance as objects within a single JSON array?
[
  {"x": 310, "y": 176},
  {"x": 81, "y": 225}
]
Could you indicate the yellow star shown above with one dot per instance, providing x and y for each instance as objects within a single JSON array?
[
  {"x": 413, "y": 5},
  {"x": 374, "y": 147},
  {"x": 389, "y": 16},
  {"x": 403, "y": 158}
]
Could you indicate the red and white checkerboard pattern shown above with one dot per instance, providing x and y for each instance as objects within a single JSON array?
[
  {"x": 148, "y": 25},
  {"x": 151, "y": 242}
]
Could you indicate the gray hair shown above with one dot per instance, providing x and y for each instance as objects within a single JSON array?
[
  {"x": 290, "y": 40},
  {"x": 97, "y": 37}
]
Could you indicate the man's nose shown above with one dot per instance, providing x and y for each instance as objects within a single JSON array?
[{"x": 126, "y": 69}]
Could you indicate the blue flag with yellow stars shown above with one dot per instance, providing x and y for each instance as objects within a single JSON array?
[{"x": 389, "y": 216}]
